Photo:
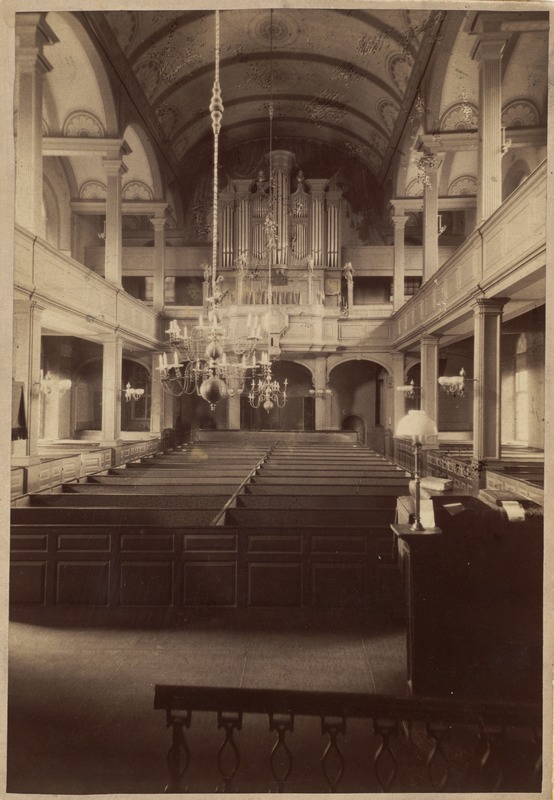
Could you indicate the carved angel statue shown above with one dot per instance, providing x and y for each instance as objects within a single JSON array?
[
  {"x": 311, "y": 263},
  {"x": 240, "y": 262},
  {"x": 206, "y": 269},
  {"x": 218, "y": 295},
  {"x": 348, "y": 271}
]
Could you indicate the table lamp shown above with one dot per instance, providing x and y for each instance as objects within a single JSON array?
[{"x": 417, "y": 426}]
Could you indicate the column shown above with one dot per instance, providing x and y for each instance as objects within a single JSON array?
[
  {"x": 242, "y": 219},
  {"x": 26, "y": 359},
  {"x": 430, "y": 377},
  {"x": 114, "y": 169},
  {"x": 399, "y": 221},
  {"x": 398, "y": 398},
  {"x": 322, "y": 401},
  {"x": 430, "y": 218},
  {"x": 281, "y": 164},
  {"x": 111, "y": 390},
  {"x": 333, "y": 229},
  {"x": 486, "y": 363},
  {"x": 158, "y": 223},
  {"x": 317, "y": 220},
  {"x": 32, "y": 34},
  {"x": 488, "y": 52},
  {"x": 233, "y": 413},
  {"x": 156, "y": 398}
]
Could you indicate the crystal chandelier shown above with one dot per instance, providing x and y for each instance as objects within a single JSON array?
[
  {"x": 204, "y": 359},
  {"x": 265, "y": 390}
]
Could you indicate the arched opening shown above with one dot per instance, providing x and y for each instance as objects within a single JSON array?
[
  {"x": 354, "y": 423},
  {"x": 298, "y": 413},
  {"x": 135, "y": 413},
  {"x": 358, "y": 394}
]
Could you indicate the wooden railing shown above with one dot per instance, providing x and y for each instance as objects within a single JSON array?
[{"x": 422, "y": 744}]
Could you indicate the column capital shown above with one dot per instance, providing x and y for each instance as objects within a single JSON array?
[
  {"x": 429, "y": 339},
  {"x": 113, "y": 166},
  {"x": 158, "y": 223},
  {"x": 32, "y": 30},
  {"x": 317, "y": 186},
  {"x": 489, "y": 47},
  {"x": 242, "y": 187},
  {"x": 489, "y": 305},
  {"x": 399, "y": 220}
]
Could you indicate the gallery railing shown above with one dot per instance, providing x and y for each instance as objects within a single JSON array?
[{"x": 408, "y": 743}]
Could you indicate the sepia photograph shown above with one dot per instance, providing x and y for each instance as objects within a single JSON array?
[{"x": 274, "y": 279}]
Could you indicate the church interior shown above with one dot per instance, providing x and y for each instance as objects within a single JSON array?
[{"x": 278, "y": 401}]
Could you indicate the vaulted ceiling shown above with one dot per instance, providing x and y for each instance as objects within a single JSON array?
[{"x": 340, "y": 81}]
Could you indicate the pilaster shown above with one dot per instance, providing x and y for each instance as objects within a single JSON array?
[
  {"x": 399, "y": 265},
  {"x": 430, "y": 218},
  {"x": 487, "y": 365},
  {"x": 158, "y": 223},
  {"x": 430, "y": 376},
  {"x": 111, "y": 390},
  {"x": 114, "y": 169},
  {"x": 488, "y": 52}
]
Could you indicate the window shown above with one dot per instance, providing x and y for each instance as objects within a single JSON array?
[
  {"x": 183, "y": 291},
  {"x": 411, "y": 285},
  {"x": 142, "y": 288}
]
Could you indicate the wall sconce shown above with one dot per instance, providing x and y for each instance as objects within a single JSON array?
[
  {"x": 132, "y": 394},
  {"x": 322, "y": 394},
  {"x": 440, "y": 227},
  {"x": 45, "y": 382},
  {"x": 417, "y": 426},
  {"x": 64, "y": 385},
  {"x": 455, "y": 385},
  {"x": 506, "y": 143},
  {"x": 102, "y": 234},
  {"x": 409, "y": 390}
]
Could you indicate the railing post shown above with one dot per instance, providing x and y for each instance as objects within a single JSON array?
[
  {"x": 231, "y": 722},
  {"x": 178, "y": 756},
  {"x": 282, "y": 725}
]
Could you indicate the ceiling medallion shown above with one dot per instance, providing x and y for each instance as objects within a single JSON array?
[{"x": 277, "y": 27}]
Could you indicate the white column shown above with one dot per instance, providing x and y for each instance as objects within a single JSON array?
[
  {"x": 399, "y": 221},
  {"x": 32, "y": 34},
  {"x": 27, "y": 349},
  {"x": 156, "y": 397},
  {"x": 398, "y": 398},
  {"x": 233, "y": 413},
  {"x": 158, "y": 223},
  {"x": 430, "y": 219},
  {"x": 488, "y": 52},
  {"x": 114, "y": 169},
  {"x": 430, "y": 377},
  {"x": 111, "y": 389},
  {"x": 323, "y": 402},
  {"x": 487, "y": 366},
  {"x": 317, "y": 220}
]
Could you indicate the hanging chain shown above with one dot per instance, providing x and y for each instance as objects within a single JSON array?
[{"x": 216, "y": 112}]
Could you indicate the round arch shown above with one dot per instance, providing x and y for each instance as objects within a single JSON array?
[
  {"x": 145, "y": 155},
  {"x": 57, "y": 20}
]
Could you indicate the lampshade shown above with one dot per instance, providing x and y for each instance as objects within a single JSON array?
[{"x": 417, "y": 425}]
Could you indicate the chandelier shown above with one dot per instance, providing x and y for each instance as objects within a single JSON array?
[
  {"x": 454, "y": 385},
  {"x": 205, "y": 361}
]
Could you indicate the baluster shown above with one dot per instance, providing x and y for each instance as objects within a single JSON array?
[
  {"x": 438, "y": 732},
  {"x": 332, "y": 729},
  {"x": 490, "y": 762},
  {"x": 178, "y": 756},
  {"x": 231, "y": 722},
  {"x": 282, "y": 724},
  {"x": 384, "y": 728}
]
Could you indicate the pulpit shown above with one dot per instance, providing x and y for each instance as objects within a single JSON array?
[{"x": 473, "y": 587}]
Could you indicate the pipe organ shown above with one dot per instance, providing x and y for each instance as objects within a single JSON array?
[{"x": 307, "y": 220}]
